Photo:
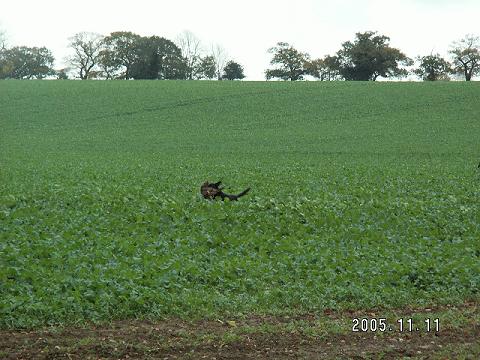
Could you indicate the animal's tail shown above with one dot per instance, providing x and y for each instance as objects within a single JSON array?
[{"x": 235, "y": 197}]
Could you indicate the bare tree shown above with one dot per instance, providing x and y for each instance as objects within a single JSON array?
[
  {"x": 3, "y": 54},
  {"x": 191, "y": 50},
  {"x": 3, "y": 39},
  {"x": 87, "y": 48},
  {"x": 466, "y": 56},
  {"x": 221, "y": 58}
]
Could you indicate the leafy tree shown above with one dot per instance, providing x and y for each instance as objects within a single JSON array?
[
  {"x": 62, "y": 74},
  {"x": 206, "y": 68},
  {"x": 233, "y": 71},
  {"x": 171, "y": 63},
  {"x": 466, "y": 56},
  {"x": 145, "y": 63},
  {"x": 22, "y": 62},
  {"x": 289, "y": 62},
  {"x": 158, "y": 58},
  {"x": 109, "y": 65},
  {"x": 332, "y": 68},
  {"x": 315, "y": 68},
  {"x": 87, "y": 47},
  {"x": 432, "y": 68},
  {"x": 325, "y": 69},
  {"x": 370, "y": 56},
  {"x": 119, "y": 54}
]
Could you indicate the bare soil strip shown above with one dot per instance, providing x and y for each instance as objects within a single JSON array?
[{"x": 310, "y": 336}]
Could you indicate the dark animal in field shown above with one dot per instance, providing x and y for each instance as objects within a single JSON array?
[{"x": 213, "y": 190}]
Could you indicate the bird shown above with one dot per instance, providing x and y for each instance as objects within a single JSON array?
[{"x": 212, "y": 190}]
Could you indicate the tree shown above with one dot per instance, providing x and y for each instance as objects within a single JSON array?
[
  {"x": 145, "y": 64},
  {"x": 332, "y": 68},
  {"x": 206, "y": 68},
  {"x": 3, "y": 62},
  {"x": 325, "y": 69},
  {"x": 109, "y": 64},
  {"x": 219, "y": 56},
  {"x": 22, "y": 62},
  {"x": 62, "y": 74},
  {"x": 233, "y": 71},
  {"x": 432, "y": 68},
  {"x": 171, "y": 63},
  {"x": 119, "y": 54},
  {"x": 191, "y": 49},
  {"x": 158, "y": 58},
  {"x": 466, "y": 56},
  {"x": 370, "y": 56},
  {"x": 3, "y": 39},
  {"x": 289, "y": 61},
  {"x": 315, "y": 68},
  {"x": 86, "y": 47}
]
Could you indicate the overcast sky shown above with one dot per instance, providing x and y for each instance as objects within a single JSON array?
[{"x": 246, "y": 29}]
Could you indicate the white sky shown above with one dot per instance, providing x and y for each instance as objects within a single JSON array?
[{"x": 246, "y": 29}]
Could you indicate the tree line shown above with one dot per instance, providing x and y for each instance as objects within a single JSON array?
[
  {"x": 126, "y": 55},
  {"x": 123, "y": 55},
  {"x": 370, "y": 56}
]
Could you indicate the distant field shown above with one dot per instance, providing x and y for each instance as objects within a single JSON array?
[{"x": 364, "y": 195}]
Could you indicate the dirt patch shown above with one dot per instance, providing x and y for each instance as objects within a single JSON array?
[{"x": 325, "y": 336}]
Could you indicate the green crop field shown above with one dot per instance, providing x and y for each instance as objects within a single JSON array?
[{"x": 363, "y": 195}]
